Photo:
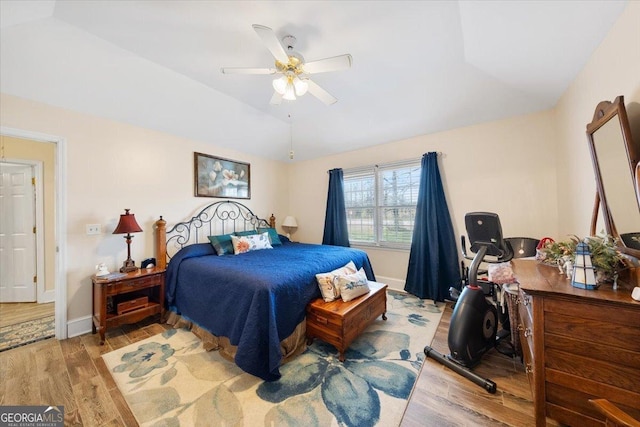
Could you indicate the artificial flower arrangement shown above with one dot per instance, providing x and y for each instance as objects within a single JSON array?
[{"x": 605, "y": 257}]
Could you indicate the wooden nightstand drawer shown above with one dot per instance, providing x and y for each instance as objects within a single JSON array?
[
  {"x": 131, "y": 285},
  {"x": 134, "y": 304}
]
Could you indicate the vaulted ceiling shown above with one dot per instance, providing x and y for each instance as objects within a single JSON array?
[{"x": 419, "y": 67}]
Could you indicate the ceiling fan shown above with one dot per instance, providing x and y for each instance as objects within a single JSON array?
[{"x": 294, "y": 80}]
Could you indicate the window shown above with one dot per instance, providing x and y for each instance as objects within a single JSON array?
[{"x": 381, "y": 203}]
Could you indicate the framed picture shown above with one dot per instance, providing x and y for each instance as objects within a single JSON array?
[{"x": 219, "y": 177}]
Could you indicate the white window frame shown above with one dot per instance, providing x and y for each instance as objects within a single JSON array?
[{"x": 376, "y": 171}]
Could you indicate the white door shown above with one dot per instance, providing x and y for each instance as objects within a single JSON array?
[{"x": 17, "y": 233}]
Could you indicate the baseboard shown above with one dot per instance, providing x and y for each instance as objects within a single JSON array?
[
  {"x": 395, "y": 284},
  {"x": 47, "y": 296},
  {"x": 78, "y": 326}
]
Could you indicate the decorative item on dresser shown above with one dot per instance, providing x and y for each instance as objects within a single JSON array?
[
  {"x": 128, "y": 225},
  {"x": 577, "y": 345},
  {"x": 123, "y": 298}
]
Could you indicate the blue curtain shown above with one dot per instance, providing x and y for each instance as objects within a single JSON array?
[
  {"x": 433, "y": 262},
  {"x": 335, "y": 220}
]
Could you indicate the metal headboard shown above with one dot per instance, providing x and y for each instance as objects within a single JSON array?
[{"x": 223, "y": 217}]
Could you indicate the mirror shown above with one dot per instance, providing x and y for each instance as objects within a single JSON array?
[{"x": 615, "y": 165}]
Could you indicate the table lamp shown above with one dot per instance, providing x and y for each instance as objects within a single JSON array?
[
  {"x": 584, "y": 276},
  {"x": 128, "y": 225},
  {"x": 289, "y": 224}
]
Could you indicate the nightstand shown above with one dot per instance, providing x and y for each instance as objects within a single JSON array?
[{"x": 120, "y": 299}]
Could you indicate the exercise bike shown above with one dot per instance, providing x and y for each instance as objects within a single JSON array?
[{"x": 474, "y": 323}]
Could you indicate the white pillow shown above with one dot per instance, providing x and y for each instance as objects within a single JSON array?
[
  {"x": 253, "y": 242},
  {"x": 352, "y": 285},
  {"x": 325, "y": 281}
]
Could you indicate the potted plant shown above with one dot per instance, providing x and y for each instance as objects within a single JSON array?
[{"x": 606, "y": 259}]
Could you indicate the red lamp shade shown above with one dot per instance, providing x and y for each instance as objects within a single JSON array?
[{"x": 128, "y": 225}]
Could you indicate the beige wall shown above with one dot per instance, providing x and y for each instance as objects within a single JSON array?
[
  {"x": 506, "y": 167},
  {"x": 111, "y": 166},
  {"x": 613, "y": 69},
  {"x": 18, "y": 148}
]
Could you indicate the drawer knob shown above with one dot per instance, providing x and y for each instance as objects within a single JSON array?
[
  {"x": 528, "y": 369},
  {"x": 527, "y": 332}
]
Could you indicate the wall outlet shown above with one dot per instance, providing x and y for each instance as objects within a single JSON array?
[{"x": 93, "y": 229}]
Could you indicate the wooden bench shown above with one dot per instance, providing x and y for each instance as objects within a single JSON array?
[{"x": 339, "y": 323}]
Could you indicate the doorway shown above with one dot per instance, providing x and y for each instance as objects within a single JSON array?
[
  {"x": 18, "y": 146},
  {"x": 27, "y": 315}
]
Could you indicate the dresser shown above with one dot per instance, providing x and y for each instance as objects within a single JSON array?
[{"x": 577, "y": 345}]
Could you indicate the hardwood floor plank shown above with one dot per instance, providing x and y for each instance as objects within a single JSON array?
[
  {"x": 116, "y": 337},
  {"x": 123, "y": 409},
  {"x": 94, "y": 401},
  {"x": 72, "y": 345},
  {"x": 80, "y": 367},
  {"x": 104, "y": 373},
  {"x": 56, "y": 391},
  {"x": 92, "y": 346}
]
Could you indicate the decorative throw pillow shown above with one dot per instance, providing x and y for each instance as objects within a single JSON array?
[
  {"x": 352, "y": 285},
  {"x": 254, "y": 242},
  {"x": 222, "y": 244},
  {"x": 273, "y": 235},
  {"x": 325, "y": 281},
  {"x": 246, "y": 233}
]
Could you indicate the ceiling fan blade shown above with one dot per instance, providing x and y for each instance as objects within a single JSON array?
[
  {"x": 276, "y": 99},
  {"x": 320, "y": 93},
  {"x": 233, "y": 70},
  {"x": 336, "y": 63},
  {"x": 272, "y": 43}
]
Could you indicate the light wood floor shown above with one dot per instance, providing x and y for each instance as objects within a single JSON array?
[
  {"x": 18, "y": 312},
  {"x": 72, "y": 373}
]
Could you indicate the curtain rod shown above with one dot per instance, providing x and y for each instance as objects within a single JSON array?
[{"x": 390, "y": 164}]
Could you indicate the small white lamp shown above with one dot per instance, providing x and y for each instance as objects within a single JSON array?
[
  {"x": 289, "y": 225},
  {"x": 584, "y": 276}
]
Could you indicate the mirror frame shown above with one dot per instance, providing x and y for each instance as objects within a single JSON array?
[{"x": 604, "y": 112}]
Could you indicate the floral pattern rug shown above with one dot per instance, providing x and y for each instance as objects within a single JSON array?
[{"x": 169, "y": 380}]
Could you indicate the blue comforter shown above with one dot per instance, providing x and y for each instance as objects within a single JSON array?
[{"x": 256, "y": 299}]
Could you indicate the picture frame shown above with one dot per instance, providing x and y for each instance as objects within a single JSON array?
[{"x": 219, "y": 177}]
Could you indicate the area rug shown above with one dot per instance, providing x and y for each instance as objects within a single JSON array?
[
  {"x": 169, "y": 380},
  {"x": 24, "y": 333}
]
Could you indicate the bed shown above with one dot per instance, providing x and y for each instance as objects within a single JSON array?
[{"x": 253, "y": 301}]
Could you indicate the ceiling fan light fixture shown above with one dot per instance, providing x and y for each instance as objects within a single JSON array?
[
  {"x": 289, "y": 93},
  {"x": 280, "y": 84},
  {"x": 300, "y": 86}
]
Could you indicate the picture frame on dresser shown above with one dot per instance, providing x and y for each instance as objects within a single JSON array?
[{"x": 219, "y": 177}]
